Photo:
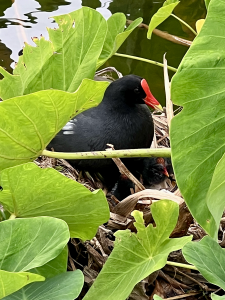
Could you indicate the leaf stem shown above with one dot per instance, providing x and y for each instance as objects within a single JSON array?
[
  {"x": 145, "y": 60},
  {"x": 162, "y": 152},
  {"x": 171, "y": 263},
  {"x": 12, "y": 217},
  {"x": 2, "y": 214},
  {"x": 182, "y": 21}
]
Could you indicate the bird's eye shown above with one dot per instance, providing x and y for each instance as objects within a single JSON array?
[{"x": 136, "y": 91}]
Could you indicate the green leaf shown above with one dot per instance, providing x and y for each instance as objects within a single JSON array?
[
  {"x": 216, "y": 297},
  {"x": 209, "y": 259},
  {"x": 116, "y": 36},
  {"x": 30, "y": 243},
  {"x": 207, "y": 3},
  {"x": 156, "y": 297},
  {"x": 54, "y": 267},
  {"x": 57, "y": 196},
  {"x": 11, "y": 282},
  {"x": 28, "y": 123},
  {"x": 215, "y": 196},
  {"x": 66, "y": 286},
  {"x": 62, "y": 62},
  {"x": 197, "y": 133},
  {"x": 135, "y": 256},
  {"x": 161, "y": 15}
]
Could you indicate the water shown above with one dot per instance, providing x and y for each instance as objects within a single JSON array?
[{"x": 21, "y": 20}]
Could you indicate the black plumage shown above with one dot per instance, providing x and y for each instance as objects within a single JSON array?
[
  {"x": 151, "y": 170},
  {"x": 122, "y": 119}
]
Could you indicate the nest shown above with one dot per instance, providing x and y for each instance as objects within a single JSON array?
[{"x": 90, "y": 256}]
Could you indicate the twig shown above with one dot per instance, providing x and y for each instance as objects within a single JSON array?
[
  {"x": 169, "y": 103},
  {"x": 203, "y": 286},
  {"x": 160, "y": 152},
  {"x": 109, "y": 69},
  {"x": 165, "y": 35},
  {"x": 183, "y": 22},
  {"x": 186, "y": 266},
  {"x": 172, "y": 281},
  {"x": 145, "y": 60},
  {"x": 123, "y": 169},
  {"x": 156, "y": 195},
  {"x": 183, "y": 296},
  {"x": 100, "y": 247}
]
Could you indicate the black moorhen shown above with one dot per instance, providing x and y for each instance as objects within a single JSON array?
[
  {"x": 123, "y": 187},
  {"x": 152, "y": 170},
  {"x": 122, "y": 119}
]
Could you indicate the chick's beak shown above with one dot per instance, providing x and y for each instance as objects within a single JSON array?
[
  {"x": 150, "y": 99},
  {"x": 165, "y": 172}
]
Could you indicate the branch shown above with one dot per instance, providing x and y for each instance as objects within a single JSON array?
[
  {"x": 159, "y": 152},
  {"x": 172, "y": 38},
  {"x": 145, "y": 60}
]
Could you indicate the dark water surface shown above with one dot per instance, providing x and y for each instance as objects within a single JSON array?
[{"x": 20, "y": 20}]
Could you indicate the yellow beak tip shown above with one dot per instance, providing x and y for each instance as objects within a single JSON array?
[{"x": 158, "y": 108}]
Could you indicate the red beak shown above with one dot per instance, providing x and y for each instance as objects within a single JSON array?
[
  {"x": 165, "y": 172},
  {"x": 150, "y": 99}
]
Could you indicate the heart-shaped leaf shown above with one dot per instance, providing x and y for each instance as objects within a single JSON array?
[
  {"x": 116, "y": 35},
  {"x": 62, "y": 62},
  {"x": 209, "y": 259},
  {"x": 161, "y": 15},
  {"x": 54, "y": 267},
  {"x": 28, "y": 123},
  {"x": 71, "y": 54},
  {"x": 11, "y": 282},
  {"x": 214, "y": 198},
  {"x": 197, "y": 133},
  {"x": 135, "y": 256},
  {"x": 30, "y": 243},
  {"x": 57, "y": 196},
  {"x": 66, "y": 286}
]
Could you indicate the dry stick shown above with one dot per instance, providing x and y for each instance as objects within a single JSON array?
[
  {"x": 156, "y": 195},
  {"x": 172, "y": 281},
  {"x": 165, "y": 35},
  {"x": 183, "y": 296},
  {"x": 203, "y": 286},
  {"x": 123, "y": 169},
  {"x": 169, "y": 104}
]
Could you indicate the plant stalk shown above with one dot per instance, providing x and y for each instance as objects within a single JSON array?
[
  {"x": 145, "y": 60},
  {"x": 12, "y": 217},
  {"x": 2, "y": 214},
  {"x": 171, "y": 263},
  {"x": 162, "y": 152},
  {"x": 182, "y": 21}
]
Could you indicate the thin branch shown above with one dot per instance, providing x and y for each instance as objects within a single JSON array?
[
  {"x": 182, "y": 21},
  {"x": 183, "y": 296},
  {"x": 169, "y": 103},
  {"x": 186, "y": 266},
  {"x": 159, "y": 152},
  {"x": 172, "y": 38},
  {"x": 145, "y": 60}
]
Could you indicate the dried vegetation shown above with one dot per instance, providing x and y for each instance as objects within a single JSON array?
[{"x": 90, "y": 256}]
